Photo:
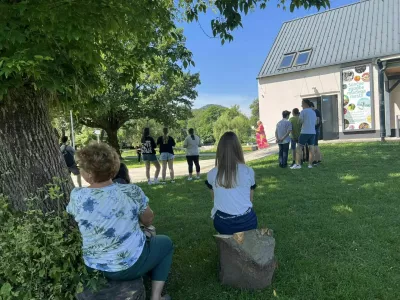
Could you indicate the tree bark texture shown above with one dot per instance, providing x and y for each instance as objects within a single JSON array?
[
  {"x": 30, "y": 156},
  {"x": 112, "y": 136}
]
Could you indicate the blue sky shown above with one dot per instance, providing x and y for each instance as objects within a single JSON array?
[{"x": 228, "y": 73}]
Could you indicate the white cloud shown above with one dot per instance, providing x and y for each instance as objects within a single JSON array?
[{"x": 225, "y": 100}]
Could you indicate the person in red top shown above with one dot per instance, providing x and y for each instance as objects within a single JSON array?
[{"x": 261, "y": 137}]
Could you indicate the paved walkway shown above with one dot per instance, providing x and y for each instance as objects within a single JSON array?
[{"x": 181, "y": 168}]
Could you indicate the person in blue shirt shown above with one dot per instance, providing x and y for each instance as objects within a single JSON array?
[
  {"x": 317, "y": 151},
  {"x": 308, "y": 120},
  {"x": 109, "y": 216}
]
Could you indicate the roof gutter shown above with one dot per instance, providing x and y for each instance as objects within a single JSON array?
[
  {"x": 381, "y": 83},
  {"x": 393, "y": 57}
]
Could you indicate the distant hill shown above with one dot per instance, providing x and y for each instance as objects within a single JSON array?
[{"x": 207, "y": 106}]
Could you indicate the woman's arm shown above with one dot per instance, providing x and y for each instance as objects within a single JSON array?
[
  {"x": 185, "y": 143},
  {"x": 147, "y": 217}
]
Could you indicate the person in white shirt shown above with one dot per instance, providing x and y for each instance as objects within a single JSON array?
[
  {"x": 192, "y": 144},
  {"x": 232, "y": 184}
]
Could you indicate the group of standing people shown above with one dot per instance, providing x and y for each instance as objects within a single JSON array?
[
  {"x": 166, "y": 146},
  {"x": 301, "y": 132}
]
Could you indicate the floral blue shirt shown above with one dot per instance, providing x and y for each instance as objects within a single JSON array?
[{"x": 108, "y": 219}]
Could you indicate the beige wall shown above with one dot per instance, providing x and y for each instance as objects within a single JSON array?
[{"x": 285, "y": 92}]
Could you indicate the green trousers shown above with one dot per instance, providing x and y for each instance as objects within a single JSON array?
[{"x": 156, "y": 259}]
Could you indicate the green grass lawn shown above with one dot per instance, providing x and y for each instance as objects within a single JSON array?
[{"x": 336, "y": 228}]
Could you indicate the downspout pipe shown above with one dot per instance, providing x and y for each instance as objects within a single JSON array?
[{"x": 381, "y": 84}]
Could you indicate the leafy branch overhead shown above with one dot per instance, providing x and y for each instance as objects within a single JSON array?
[
  {"x": 59, "y": 45},
  {"x": 158, "y": 89},
  {"x": 231, "y": 11}
]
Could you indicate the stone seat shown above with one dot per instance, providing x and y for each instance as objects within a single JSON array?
[{"x": 246, "y": 259}]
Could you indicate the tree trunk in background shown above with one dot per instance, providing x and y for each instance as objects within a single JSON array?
[
  {"x": 30, "y": 156},
  {"x": 102, "y": 135},
  {"x": 112, "y": 135}
]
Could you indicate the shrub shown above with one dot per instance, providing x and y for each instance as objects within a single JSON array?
[{"x": 40, "y": 254}]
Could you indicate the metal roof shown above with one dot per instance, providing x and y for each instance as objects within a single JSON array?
[{"x": 359, "y": 31}]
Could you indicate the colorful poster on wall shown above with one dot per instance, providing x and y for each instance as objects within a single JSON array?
[{"x": 357, "y": 98}]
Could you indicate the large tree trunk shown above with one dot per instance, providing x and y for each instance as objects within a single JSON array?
[
  {"x": 30, "y": 156},
  {"x": 112, "y": 136}
]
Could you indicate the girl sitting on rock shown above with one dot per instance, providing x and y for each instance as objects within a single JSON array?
[{"x": 232, "y": 184}]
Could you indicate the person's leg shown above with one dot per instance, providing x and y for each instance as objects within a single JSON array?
[
  {"x": 156, "y": 258},
  {"x": 285, "y": 154},
  {"x": 158, "y": 168},
  {"x": 197, "y": 164},
  {"x": 171, "y": 169},
  {"x": 311, "y": 155},
  {"x": 147, "y": 163},
  {"x": 164, "y": 169},
  {"x": 190, "y": 165},
  {"x": 280, "y": 157},
  {"x": 139, "y": 155},
  {"x": 293, "y": 147},
  {"x": 79, "y": 179}
]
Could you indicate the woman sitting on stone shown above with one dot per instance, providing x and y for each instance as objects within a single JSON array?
[
  {"x": 232, "y": 184},
  {"x": 108, "y": 217}
]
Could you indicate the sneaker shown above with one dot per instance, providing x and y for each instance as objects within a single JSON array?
[
  {"x": 197, "y": 177},
  {"x": 310, "y": 166},
  {"x": 296, "y": 167},
  {"x": 149, "y": 182},
  {"x": 162, "y": 182},
  {"x": 172, "y": 181},
  {"x": 156, "y": 181},
  {"x": 190, "y": 179},
  {"x": 293, "y": 164}
]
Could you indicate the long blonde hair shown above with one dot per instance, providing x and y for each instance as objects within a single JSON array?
[
  {"x": 229, "y": 155},
  {"x": 165, "y": 136}
]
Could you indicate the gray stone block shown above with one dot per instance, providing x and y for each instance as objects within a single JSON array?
[{"x": 247, "y": 259}]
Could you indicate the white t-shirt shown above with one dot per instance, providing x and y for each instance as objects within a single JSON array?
[
  {"x": 192, "y": 145},
  {"x": 234, "y": 201}
]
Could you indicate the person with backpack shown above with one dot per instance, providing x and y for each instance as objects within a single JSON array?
[{"x": 68, "y": 152}]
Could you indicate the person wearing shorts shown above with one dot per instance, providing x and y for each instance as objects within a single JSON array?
[
  {"x": 166, "y": 144},
  {"x": 308, "y": 120},
  {"x": 294, "y": 135},
  {"x": 317, "y": 156},
  {"x": 149, "y": 155}
]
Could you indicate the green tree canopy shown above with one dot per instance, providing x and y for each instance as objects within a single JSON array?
[
  {"x": 233, "y": 120},
  {"x": 255, "y": 112},
  {"x": 203, "y": 122}
]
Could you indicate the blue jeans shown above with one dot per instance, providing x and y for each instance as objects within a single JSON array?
[
  {"x": 229, "y": 224},
  {"x": 283, "y": 154}
]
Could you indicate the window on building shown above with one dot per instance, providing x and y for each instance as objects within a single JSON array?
[
  {"x": 287, "y": 60},
  {"x": 303, "y": 57}
]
